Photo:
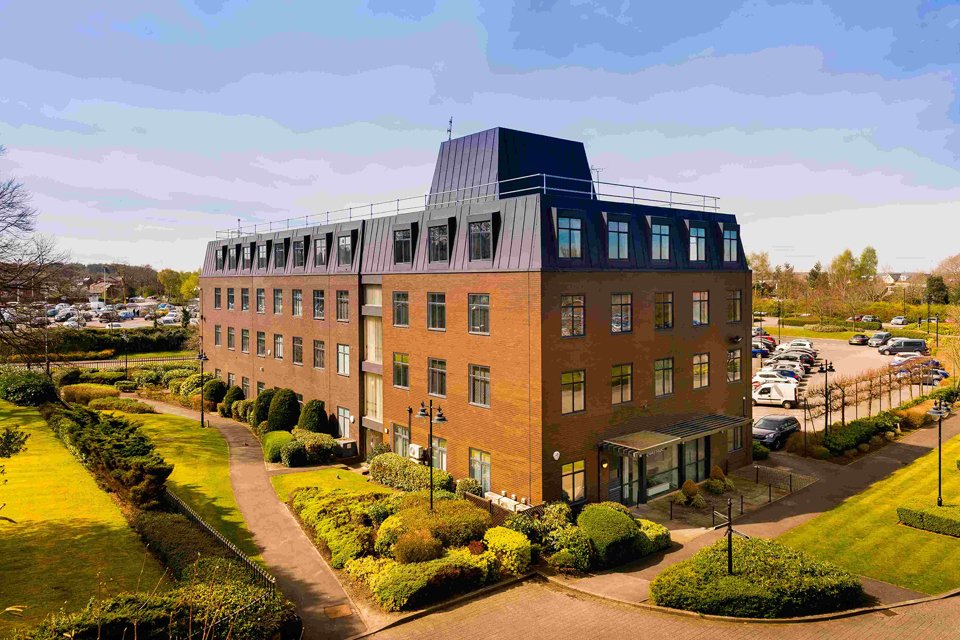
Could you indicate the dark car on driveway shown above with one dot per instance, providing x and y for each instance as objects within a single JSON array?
[
  {"x": 772, "y": 431},
  {"x": 858, "y": 339}
]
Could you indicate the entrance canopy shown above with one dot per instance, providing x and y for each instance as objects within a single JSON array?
[{"x": 640, "y": 442}]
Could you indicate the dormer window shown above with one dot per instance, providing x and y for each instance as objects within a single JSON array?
[
  {"x": 320, "y": 251},
  {"x": 402, "y": 246},
  {"x": 439, "y": 242},
  {"x": 344, "y": 251},
  {"x": 481, "y": 240},
  {"x": 568, "y": 236},
  {"x": 618, "y": 240},
  {"x": 698, "y": 244},
  {"x": 731, "y": 250},
  {"x": 261, "y": 256},
  {"x": 218, "y": 257},
  {"x": 279, "y": 255},
  {"x": 247, "y": 256},
  {"x": 232, "y": 259},
  {"x": 299, "y": 254},
  {"x": 660, "y": 242}
]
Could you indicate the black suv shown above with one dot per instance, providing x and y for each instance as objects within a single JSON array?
[{"x": 773, "y": 431}]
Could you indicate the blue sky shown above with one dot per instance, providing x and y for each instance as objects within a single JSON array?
[{"x": 141, "y": 128}]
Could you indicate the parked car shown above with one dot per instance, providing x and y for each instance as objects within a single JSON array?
[
  {"x": 783, "y": 394},
  {"x": 789, "y": 368},
  {"x": 859, "y": 339},
  {"x": 903, "y": 358},
  {"x": 773, "y": 376},
  {"x": 904, "y": 345},
  {"x": 854, "y": 318},
  {"x": 758, "y": 352},
  {"x": 869, "y": 318},
  {"x": 793, "y": 356},
  {"x": 930, "y": 377},
  {"x": 899, "y": 321},
  {"x": 168, "y": 320},
  {"x": 114, "y": 325},
  {"x": 773, "y": 431},
  {"x": 879, "y": 339}
]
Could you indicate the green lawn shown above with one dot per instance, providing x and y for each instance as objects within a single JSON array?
[
  {"x": 863, "y": 535},
  {"x": 201, "y": 473},
  {"x": 162, "y": 354},
  {"x": 285, "y": 484},
  {"x": 67, "y": 531}
]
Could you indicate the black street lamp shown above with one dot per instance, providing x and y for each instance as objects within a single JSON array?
[
  {"x": 201, "y": 357},
  {"x": 427, "y": 412},
  {"x": 826, "y": 368},
  {"x": 939, "y": 410},
  {"x": 126, "y": 352},
  {"x": 779, "y": 319}
]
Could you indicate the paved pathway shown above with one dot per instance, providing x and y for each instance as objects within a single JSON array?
[{"x": 301, "y": 572}]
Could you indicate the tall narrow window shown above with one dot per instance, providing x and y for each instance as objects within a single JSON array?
[
  {"x": 216, "y": 335},
  {"x": 621, "y": 381},
  {"x": 231, "y": 379},
  {"x": 663, "y": 377},
  {"x": 244, "y": 299},
  {"x": 343, "y": 306},
  {"x": 698, "y": 244},
  {"x": 318, "y": 305},
  {"x": 247, "y": 256},
  {"x": 401, "y": 439},
  {"x": 621, "y": 312},
  {"x": 216, "y": 298},
  {"x": 218, "y": 259},
  {"x": 261, "y": 343},
  {"x": 402, "y": 246},
  {"x": 231, "y": 342},
  {"x": 230, "y": 299},
  {"x": 734, "y": 439},
  {"x": 572, "y": 311},
  {"x": 401, "y": 370},
  {"x": 618, "y": 240},
  {"x": 344, "y": 251},
  {"x": 279, "y": 254},
  {"x": 572, "y": 391},
  {"x": 439, "y": 453},
  {"x": 663, "y": 310},
  {"x": 297, "y": 355},
  {"x": 478, "y": 312},
  {"x": 437, "y": 311},
  {"x": 481, "y": 240},
  {"x": 701, "y": 370},
  {"x": 245, "y": 386},
  {"x": 568, "y": 237},
  {"x": 343, "y": 359},
  {"x": 319, "y": 355},
  {"x": 660, "y": 235},
  {"x": 701, "y": 308},
  {"x": 480, "y": 385},
  {"x": 439, "y": 247},
  {"x": 299, "y": 253},
  {"x": 573, "y": 481},
  {"x": 277, "y": 301},
  {"x": 401, "y": 309},
  {"x": 343, "y": 419},
  {"x": 278, "y": 346},
  {"x": 731, "y": 249},
  {"x": 480, "y": 468},
  {"x": 437, "y": 377},
  {"x": 232, "y": 258},
  {"x": 260, "y": 387},
  {"x": 245, "y": 340},
  {"x": 734, "y": 365},
  {"x": 320, "y": 251},
  {"x": 734, "y": 305},
  {"x": 261, "y": 301},
  {"x": 261, "y": 256},
  {"x": 296, "y": 302}
]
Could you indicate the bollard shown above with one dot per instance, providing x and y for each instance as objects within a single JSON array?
[
  {"x": 791, "y": 483},
  {"x": 757, "y": 469},
  {"x": 741, "y": 504},
  {"x": 671, "y": 509},
  {"x": 769, "y": 493}
]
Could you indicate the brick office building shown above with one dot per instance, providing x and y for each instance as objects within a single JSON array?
[{"x": 584, "y": 340}]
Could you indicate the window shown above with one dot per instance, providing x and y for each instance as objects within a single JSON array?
[
  {"x": 701, "y": 308},
  {"x": 731, "y": 250},
  {"x": 572, "y": 391},
  {"x": 343, "y": 419},
  {"x": 245, "y": 386},
  {"x": 296, "y": 301},
  {"x": 216, "y": 335},
  {"x": 480, "y": 385},
  {"x": 618, "y": 240},
  {"x": 216, "y": 297},
  {"x": 277, "y": 301},
  {"x": 621, "y": 312},
  {"x": 261, "y": 301},
  {"x": 698, "y": 244},
  {"x": 621, "y": 382},
  {"x": 437, "y": 311},
  {"x": 344, "y": 251},
  {"x": 701, "y": 370},
  {"x": 401, "y": 370},
  {"x": 439, "y": 453},
  {"x": 663, "y": 310},
  {"x": 401, "y": 309},
  {"x": 297, "y": 355},
  {"x": 402, "y": 246},
  {"x": 480, "y": 468},
  {"x": 320, "y": 251},
  {"x": 478, "y": 312},
  {"x": 573, "y": 481},
  {"x": 481, "y": 240},
  {"x": 261, "y": 343},
  {"x": 244, "y": 299},
  {"x": 437, "y": 377},
  {"x": 734, "y": 365},
  {"x": 401, "y": 439},
  {"x": 260, "y": 387},
  {"x": 661, "y": 242},
  {"x": 279, "y": 254},
  {"x": 663, "y": 377},
  {"x": 343, "y": 359},
  {"x": 734, "y": 439},
  {"x": 245, "y": 340},
  {"x": 278, "y": 346},
  {"x": 219, "y": 259},
  {"x": 299, "y": 254},
  {"x": 231, "y": 339},
  {"x": 231, "y": 379},
  {"x": 438, "y": 244},
  {"x": 232, "y": 258},
  {"x": 319, "y": 355},
  {"x": 343, "y": 306},
  {"x": 318, "y": 304},
  {"x": 216, "y": 373},
  {"x": 261, "y": 256},
  {"x": 568, "y": 237},
  {"x": 247, "y": 257},
  {"x": 231, "y": 299},
  {"x": 572, "y": 309},
  {"x": 734, "y": 305}
]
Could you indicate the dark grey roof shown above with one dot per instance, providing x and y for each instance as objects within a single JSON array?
[
  {"x": 657, "y": 437},
  {"x": 701, "y": 426}
]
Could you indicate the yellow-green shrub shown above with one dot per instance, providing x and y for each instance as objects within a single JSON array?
[
  {"x": 84, "y": 393},
  {"x": 511, "y": 548}
]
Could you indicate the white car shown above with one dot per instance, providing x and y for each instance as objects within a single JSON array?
[
  {"x": 899, "y": 320},
  {"x": 114, "y": 325},
  {"x": 904, "y": 357},
  {"x": 773, "y": 376},
  {"x": 169, "y": 320}
]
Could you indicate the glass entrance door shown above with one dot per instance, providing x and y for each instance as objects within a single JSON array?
[
  {"x": 630, "y": 489},
  {"x": 695, "y": 459},
  {"x": 662, "y": 471}
]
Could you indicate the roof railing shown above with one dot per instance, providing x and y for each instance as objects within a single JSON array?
[{"x": 543, "y": 183}]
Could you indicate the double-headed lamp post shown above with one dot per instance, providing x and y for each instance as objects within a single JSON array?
[
  {"x": 201, "y": 358},
  {"x": 826, "y": 368},
  {"x": 426, "y": 411},
  {"x": 939, "y": 410}
]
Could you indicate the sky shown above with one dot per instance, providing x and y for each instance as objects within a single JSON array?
[{"x": 143, "y": 128}]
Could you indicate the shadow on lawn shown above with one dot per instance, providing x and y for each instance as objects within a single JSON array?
[{"x": 217, "y": 516}]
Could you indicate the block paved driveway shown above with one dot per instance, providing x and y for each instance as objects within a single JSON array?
[{"x": 537, "y": 610}]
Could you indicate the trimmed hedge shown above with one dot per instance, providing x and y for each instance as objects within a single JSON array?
[
  {"x": 410, "y": 586},
  {"x": 26, "y": 388},
  {"x": 769, "y": 581},
  {"x": 261, "y": 408},
  {"x": 126, "y": 405},
  {"x": 469, "y": 485},
  {"x": 402, "y": 473},
  {"x": 511, "y": 548},
  {"x": 141, "y": 340},
  {"x": 760, "y": 452},
  {"x": 313, "y": 417},
  {"x": 83, "y": 393},
  {"x": 284, "y": 410},
  {"x": 857, "y": 432},
  {"x": 944, "y": 520},
  {"x": 320, "y": 447},
  {"x": 272, "y": 442},
  {"x": 293, "y": 454}
]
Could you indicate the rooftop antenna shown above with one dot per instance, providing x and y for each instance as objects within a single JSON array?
[
  {"x": 450, "y": 128},
  {"x": 598, "y": 170},
  {"x": 238, "y": 227}
]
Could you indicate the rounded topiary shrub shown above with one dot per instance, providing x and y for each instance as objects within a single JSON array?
[
  {"x": 26, "y": 388},
  {"x": 417, "y": 546},
  {"x": 321, "y": 447},
  {"x": 261, "y": 407},
  {"x": 570, "y": 549},
  {"x": 614, "y": 535},
  {"x": 232, "y": 395},
  {"x": 769, "y": 581},
  {"x": 273, "y": 442},
  {"x": 194, "y": 384},
  {"x": 214, "y": 390},
  {"x": 63, "y": 377},
  {"x": 313, "y": 417},
  {"x": 284, "y": 411},
  {"x": 293, "y": 454},
  {"x": 760, "y": 452},
  {"x": 469, "y": 485}
]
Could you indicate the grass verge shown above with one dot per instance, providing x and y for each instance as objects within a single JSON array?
[{"x": 285, "y": 484}]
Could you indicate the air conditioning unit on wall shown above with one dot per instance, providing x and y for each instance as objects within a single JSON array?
[{"x": 415, "y": 451}]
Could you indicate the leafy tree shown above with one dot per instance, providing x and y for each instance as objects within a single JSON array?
[
  {"x": 949, "y": 268},
  {"x": 867, "y": 264},
  {"x": 170, "y": 282},
  {"x": 815, "y": 277},
  {"x": 189, "y": 284},
  {"x": 759, "y": 263},
  {"x": 937, "y": 292}
]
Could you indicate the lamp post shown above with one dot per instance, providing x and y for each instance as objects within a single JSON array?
[
  {"x": 126, "y": 352},
  {"x": 938, "y": 411},
  {"x": 427, "y": 412},
  {"x": 826, "y": 367},
  {"x": 779, "y": 319},
  {"x": 201, "y": 358},
  {"x": 938, "y": 330}
]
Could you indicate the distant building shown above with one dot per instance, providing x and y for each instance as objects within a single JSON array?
[{"x": 99, "y": 291}]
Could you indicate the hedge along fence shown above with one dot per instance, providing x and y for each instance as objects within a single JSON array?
[{"x": 141, "y": 340}]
